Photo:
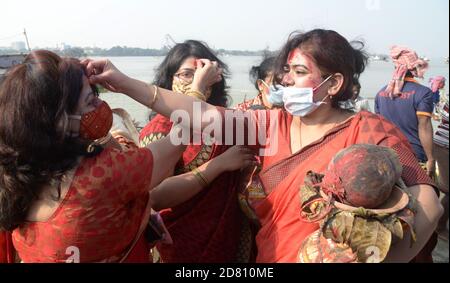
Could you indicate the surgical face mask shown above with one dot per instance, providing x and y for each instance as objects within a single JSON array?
[
  {"x": 275, "y": 96},
  {"x": 300, "y": 101}
]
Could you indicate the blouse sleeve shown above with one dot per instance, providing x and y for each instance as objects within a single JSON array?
[{"x": 131, "y": 171}]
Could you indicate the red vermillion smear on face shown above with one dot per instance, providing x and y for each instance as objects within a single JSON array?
[{"x": 294, "y": 55}]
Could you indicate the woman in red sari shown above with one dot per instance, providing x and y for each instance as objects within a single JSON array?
[
  {"x": 69, "y": 192},
  {"x": 317, "y": 69},
  {"x": 201, "y": 214}
]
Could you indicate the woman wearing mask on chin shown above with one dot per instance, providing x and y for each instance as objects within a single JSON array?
[
  {"x": 317, "y": 69},
  {"x": 68, "y": 192},
  {"x": 199, "y": 204},
  {"x": 262, "y": 77}
]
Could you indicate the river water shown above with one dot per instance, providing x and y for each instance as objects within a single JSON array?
[{"x": 372, "y": 80}]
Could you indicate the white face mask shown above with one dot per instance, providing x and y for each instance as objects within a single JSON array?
[
  {"x": 300, "y": 101},
  {"x": 275, "y": 96}
]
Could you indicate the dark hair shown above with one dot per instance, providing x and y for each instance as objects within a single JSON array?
[
  {"x": 175, "y": 58},
  {"x": 357, "y": 85},
  {"x": 35, "y": 99},
  {"x": 262, "y": 71},
  {"x": 332, "y": 53}
]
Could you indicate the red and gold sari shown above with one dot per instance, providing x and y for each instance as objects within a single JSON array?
[
  {"x": 206, "y": 228},
  {"x": 249, "y": 103},
  {"x": 102, "y": 216}
]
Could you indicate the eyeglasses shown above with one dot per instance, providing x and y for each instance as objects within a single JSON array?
[{"x": 186, "y": 76}]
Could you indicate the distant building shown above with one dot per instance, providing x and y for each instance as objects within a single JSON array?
[
  {"x": 18, "y": 45},
  {"x": 64, "y": 46},
  {"x": 89, "y": 51}
]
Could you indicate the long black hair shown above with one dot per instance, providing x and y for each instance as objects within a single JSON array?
[
  {"x": 35, "y": 99},
  {"x": 175, "y": 58}
]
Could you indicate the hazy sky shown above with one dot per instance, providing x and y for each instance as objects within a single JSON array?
[{"x": 230, "y": 24}]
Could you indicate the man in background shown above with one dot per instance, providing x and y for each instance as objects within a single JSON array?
[{"x": 409, "y": 105}]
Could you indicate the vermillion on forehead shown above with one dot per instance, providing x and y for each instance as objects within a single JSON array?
[
  {"x": 189, "y": 63},
  {"x": 293, "y": 56},
  {"x": 297, "y": 57}
]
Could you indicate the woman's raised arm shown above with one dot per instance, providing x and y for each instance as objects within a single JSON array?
[{"x": 163, "y": 101}]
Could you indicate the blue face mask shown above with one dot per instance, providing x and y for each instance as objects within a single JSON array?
[
  {"x": 275, "y": 96},
  {"x": 297, "y": 101}
]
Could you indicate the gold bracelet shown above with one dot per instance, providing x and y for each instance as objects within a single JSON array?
[
  {"x": 155, "y": 94},
  {"x": 196, "y": 94},
  {"x": 200, "y": 177}
]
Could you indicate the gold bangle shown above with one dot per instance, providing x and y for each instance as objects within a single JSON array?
[
  {"x": 200, "y": 177},
  {"x": 106, "y": 139},
  {"x": 196, "y": 94},
  {"x": 155, "y": 94}
]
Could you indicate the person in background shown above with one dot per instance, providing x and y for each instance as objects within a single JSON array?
[
  {"x": 409, "y": 105},
  {"x": 65, "y": 181},
  {"x": 442, "y": 158},
  {"x": 360, "y": 103},
  {"x": 437, "y": 84},
  {"x": 308, "y": 134},
  {"x": 261, "y": 76},
  {"x": 199, "y": 204}
]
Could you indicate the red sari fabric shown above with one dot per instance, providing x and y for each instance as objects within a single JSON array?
[
  {"x": 7, "y": 253},
  {"x": 100, "y": 214},
  {"x": 249, "y": 103},
  {"x": 282, "y": 231},
  {"x": 206, "y": 228}
]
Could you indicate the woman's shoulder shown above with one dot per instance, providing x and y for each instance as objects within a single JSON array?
[
  {"x": 158, "y": 120},
  {"x": 158, "y": 125},
  {"x": 375, "y": 129},
  {"x": 368, "y": 116},
  {"x": 112, "y": 157}
]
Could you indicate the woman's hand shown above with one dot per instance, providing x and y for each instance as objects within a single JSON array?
[
  {"x": 206, "y": 74},
  {"x": 103, "y": 72},
  {"x": 237, "y": 157},
  {"x": 429, "y": 211}
]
